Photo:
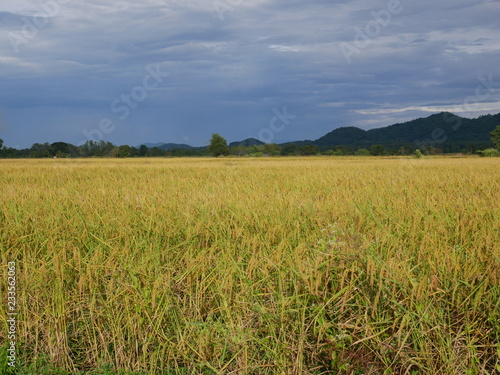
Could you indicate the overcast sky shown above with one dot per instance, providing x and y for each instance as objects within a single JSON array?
[{"x": 178, "y": 70}]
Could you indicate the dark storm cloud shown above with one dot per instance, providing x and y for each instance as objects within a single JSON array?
[{"x": 230, "y": 68}]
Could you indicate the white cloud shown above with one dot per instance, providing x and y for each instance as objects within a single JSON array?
[
  {"x": 286, "y": 48},
  {"x": 474, "y": 107}
]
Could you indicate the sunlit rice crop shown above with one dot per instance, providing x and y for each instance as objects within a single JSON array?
[{"x": 255, "y": 266}]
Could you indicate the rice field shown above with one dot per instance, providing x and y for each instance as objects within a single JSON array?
[{"x": 314, "y": 265}]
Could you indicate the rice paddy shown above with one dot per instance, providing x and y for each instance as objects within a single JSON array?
[{"x": 314, "y": 265}]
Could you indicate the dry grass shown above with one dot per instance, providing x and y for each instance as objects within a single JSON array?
[{"x": 256, "y": 266}]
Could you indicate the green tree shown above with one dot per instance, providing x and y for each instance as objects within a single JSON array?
[
  {"x": 289, "y": 149},
  {"x": 65, "y": 149},
  {"x": 362, "y": 152},
  {"x": 101, "y": 148},
  {"x": 377, "y": 150},
  {"x": 495, "y": 137},
  {"x": 9, "y": 152},
  {"x": 156, "y": 152},
  {"x": 218, "y": 146},
  {"x": 239, "y": 150},
  {"x": 403, "y": 150},
  {"x": 39, "y": 150},
  {"x": 337, "y": 151},
  {"x": 272, "y": 149},
  {"x": 123, "y": 151},
  {"x": 143, "y": 150},
  {"x": 489, "y": 152},
  {"x": 308, "y": 150}
]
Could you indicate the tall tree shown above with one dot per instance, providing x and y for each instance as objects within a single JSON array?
[
  {"x": 92, "y": 148},
  {"x": 143, "y": 150},
  {"x": 377, "y": 150},
  {"x": 64, "y": 149},
  {"x": 289, "y": 149},
  {"x": 308, "y": 150},
  {"x": 39, "y": 150},
  {"x": 155, "y": 152},
  {"x": 272, "y": 149},
  {"x": 218, "y": 146},
  {"x": 495, "y": 137},
  {"x": 124, "y": 151}
]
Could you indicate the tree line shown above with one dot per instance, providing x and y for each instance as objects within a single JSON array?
[
  {"x": 107, "y": 149},
  {"x": 218, "y": 147}
]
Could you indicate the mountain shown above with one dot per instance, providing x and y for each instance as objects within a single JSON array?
[
  {"x": 246, "y": 143},
  {"x": 151, "y": 145},
  {"x": 169, "y": 146},
  {"x": 443, "y": 130},
  {"x": 344, "y": 136}
]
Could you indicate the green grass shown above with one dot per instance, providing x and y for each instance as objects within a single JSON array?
[{"x": 255, "y": 266}]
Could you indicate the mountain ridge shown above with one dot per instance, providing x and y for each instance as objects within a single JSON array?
[{"x": 443, "y": 130}]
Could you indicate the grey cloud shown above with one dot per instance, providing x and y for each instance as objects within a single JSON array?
[
  {"x": 228, "y": 75},
  {"x": 9, "y": 20}
]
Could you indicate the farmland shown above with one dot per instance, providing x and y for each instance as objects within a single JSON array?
[{"x": 314, "y": 265}]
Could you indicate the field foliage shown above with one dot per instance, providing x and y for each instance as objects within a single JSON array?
[{"x": 255, "y": 266}]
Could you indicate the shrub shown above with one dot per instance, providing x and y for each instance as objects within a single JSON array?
[
  {"x": 489, "y": 152},
  {"x": 362, "y": 152}
]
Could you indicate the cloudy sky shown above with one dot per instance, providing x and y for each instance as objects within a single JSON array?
[{"x": 178, "y": 70}]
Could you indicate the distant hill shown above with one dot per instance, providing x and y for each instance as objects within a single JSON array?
[
  {"x": 444, "y": 130},
  {"x": 170, "y": 146},
  {"x": 246, "y": 143},
  {"x": 344, "y": 136},
  {"x": 151, "y": 145},
  {"x": 166, "y": 146}
]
